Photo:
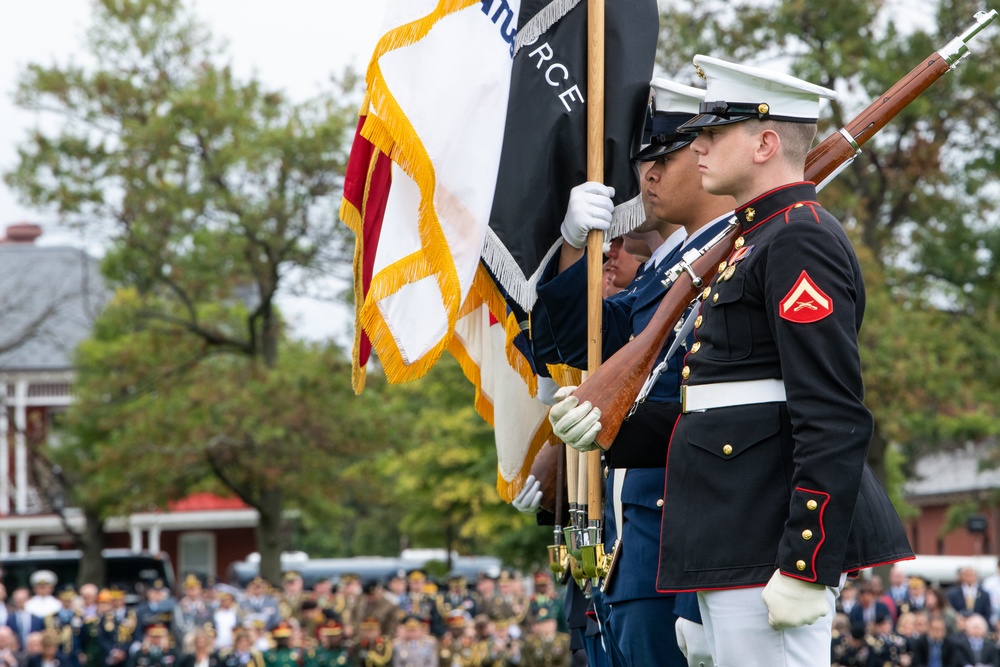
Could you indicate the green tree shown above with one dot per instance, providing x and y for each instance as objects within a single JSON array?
[
  {"x": 157, "y": 417},
  {"x": 217, "y": 194},
  {"x": 920, "y": 202},
  {"x": 434, "y": 485}
]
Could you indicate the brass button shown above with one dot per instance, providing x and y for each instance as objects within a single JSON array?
[
  {"x": 800, "y": 565},
  {"x": 727, "y": 449},
  {"x": 739, "y": 243},
  {"x": 697, "y": 322},
  {"x": 686, "y": 372},
  {"x": 715, "y": 299},
  {"x": 807, "y": 534},
  {"x": 631, "y": 336},
  {"x": 722, "y": 267},
  {"x": 705, "y": 292},
  {"x": 696, "y": 347},
  {"x": 607, "y": 471},
  {"x": 811, "y": 505},
  {"x": 798, "y": 206},
  {"x": 659, "y": 503}
]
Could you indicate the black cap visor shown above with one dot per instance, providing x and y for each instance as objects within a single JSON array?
[{"x": 657, "y": 150}]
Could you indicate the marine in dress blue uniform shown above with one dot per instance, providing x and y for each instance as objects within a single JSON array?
[
  {"x": 640, "y": 620},
  {"x": 766, "y": 480}
]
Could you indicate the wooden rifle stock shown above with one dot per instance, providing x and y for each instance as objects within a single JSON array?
[{"x": 615, "y": 385}]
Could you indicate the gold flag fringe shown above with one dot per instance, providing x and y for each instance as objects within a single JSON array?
[{"x": 390, "y": 131}]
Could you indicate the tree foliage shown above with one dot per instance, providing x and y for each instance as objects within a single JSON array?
[{"x": 217, "y": 195}]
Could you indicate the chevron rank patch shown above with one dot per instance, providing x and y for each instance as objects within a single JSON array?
[{"x": 805, "y": 302}]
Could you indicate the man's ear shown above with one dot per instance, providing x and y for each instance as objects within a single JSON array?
[{"x": 768, "y": 145}]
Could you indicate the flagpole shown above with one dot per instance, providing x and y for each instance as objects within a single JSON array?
[{"x": 595, "y": 240}]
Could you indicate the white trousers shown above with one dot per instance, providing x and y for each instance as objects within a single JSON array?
[{"x": 739, "y": 635}]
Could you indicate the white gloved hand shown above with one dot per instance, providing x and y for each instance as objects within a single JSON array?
[
  {"x": 529, "y": 500},
  {"x": 576, "y": 425},
  {"x": 792, "y": 603},
  {"x": 590, "y": 207},
  {"x": 679, "y": 631},
  {"x": 547, "y": 389}
]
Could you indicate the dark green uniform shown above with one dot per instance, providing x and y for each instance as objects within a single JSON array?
[
  {"x": 328, "y": 657},
  {"x": 282, "y": 656}
]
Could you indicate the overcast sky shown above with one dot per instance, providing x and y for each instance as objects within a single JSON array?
[{"x": 291, "y": 44}]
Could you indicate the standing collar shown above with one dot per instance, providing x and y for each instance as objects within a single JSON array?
[{"x": 761, "y": 209}]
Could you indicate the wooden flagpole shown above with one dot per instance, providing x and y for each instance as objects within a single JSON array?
[{"x": 595, "y": 240}]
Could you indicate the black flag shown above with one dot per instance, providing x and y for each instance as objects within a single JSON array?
[{"x": 544, "y": 147}]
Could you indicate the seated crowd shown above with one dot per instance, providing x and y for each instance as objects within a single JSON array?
[
  {"x": 406, "y": 620},
  {"x": 915, "y": 624}
]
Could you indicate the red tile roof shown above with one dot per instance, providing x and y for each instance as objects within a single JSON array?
[{"x": 201, "y": 502}]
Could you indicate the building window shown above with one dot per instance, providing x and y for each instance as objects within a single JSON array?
[{"x": 197, "y": 553}]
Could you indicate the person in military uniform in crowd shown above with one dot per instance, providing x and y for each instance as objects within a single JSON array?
[
  {"x": 42, "y": 603},
  {"x": 50, "y": 654},
  {"x": 545, "y": 594},
  {"x": 258, "y": 603},
  {"x": 486, "y": 596},
  {"x": 242, "y": 653},
  {"x": 511, "y": 604},
  {"x": 450, "y": 643},
  {"x": 191, "y": 611},
  {"x": 504, "y": 650},
  {"x": 292, "y": 595},
  {"x": 416, "y": 601},
  {"x": 415, "y": 647},
  {"x": 349, "y": 602},
  {"x": 850, "y": 648},
  {"x": 545, "y": 646},
  {"x": 283, "y": 653},
  {"x": 157, "y": 609},
  {"x": 373, "y": 649},
  {"x": 68, "y": 623},
  {"x": 373, "y": 604},
  {"x": 156, "y": 649},
  {"x": 888, "y": 648},
  {"x": 310, "y": 617},
  {"x": 322, "y": 593},
  {"x": 457, "y": 596},
  {"x": 332, "y": 650},
  {"x": 100, "y": 631},
  {"x": 124, "y": 622}
]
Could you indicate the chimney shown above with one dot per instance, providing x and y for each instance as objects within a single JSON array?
[{"x": 22, "y": 232}]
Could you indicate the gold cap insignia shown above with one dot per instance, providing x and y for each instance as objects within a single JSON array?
[{"x": 763, "y": 108}]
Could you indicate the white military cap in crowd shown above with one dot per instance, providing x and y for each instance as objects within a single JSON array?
[
  {"x": 739, "y": 92},
  {"x": 43, "y": 577},
  {"x": 670, "y": 106}
]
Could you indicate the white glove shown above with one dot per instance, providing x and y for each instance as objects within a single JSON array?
[
  {"x": 679, "y": 631},
  {"x": 692, "y": 642},
  {"x": 792, "y": 603},
  {"x": 547, "y": 389},
  {"x": 590, "y": 207},
  {"x": 529, "y": 500},
  {"x": 576, "y": 425}
]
